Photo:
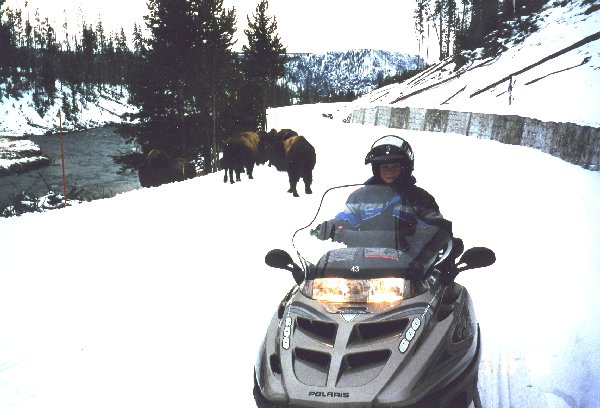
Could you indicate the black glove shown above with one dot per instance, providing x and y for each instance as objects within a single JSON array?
[
  {"x": 338, "y": 233},
  {"x": 324, "y": 231}
]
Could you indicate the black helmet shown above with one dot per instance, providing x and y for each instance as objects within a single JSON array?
[{"x": 391, "y": 149}]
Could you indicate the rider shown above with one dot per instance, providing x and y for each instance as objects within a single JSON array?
[{"x": 389, "y": 207}]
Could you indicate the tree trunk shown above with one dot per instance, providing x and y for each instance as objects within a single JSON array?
[
  {"x": 508, "y": 10},
  {"x": 489, "y": 12},
  {"x": 520, "y": 8},
  {"x": 476, "y": 28},
  {"x": 442, "y": 56}
]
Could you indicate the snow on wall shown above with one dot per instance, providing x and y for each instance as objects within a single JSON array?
[{"x": 573, "y": 143}]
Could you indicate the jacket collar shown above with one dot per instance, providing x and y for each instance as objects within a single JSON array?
[{"x": 399, "y": 184}]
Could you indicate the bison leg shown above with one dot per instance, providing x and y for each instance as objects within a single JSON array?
[
  {"x": 307, "y": 182},
  {"x": 294, "y": 178},
  {"x": 293, "y": 190},
  {"x": 231, "y": 176},
  {"x": 250, "y": 169},
  {"x": 237, "y": 175},
  {"x": 307, "y": 189},
  {"x": 225, "y": 176}
]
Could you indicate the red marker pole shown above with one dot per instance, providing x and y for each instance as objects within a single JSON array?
[{"x": 62, "y": 155}]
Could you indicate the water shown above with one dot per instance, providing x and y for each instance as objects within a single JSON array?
[{"x": 88, "y": 165}]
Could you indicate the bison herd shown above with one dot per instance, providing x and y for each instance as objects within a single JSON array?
[
  {"x": 241, "y": 152},
  {"x": 285, "y": 150}
]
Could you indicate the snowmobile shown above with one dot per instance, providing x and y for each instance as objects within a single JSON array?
[{"x": 370, "y": 323}]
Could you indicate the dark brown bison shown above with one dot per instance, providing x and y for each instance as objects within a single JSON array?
[
  {"x": 291, "y": 152},
  {"x": 274, "y": 136},
  {"x": 240, "y": 153},
  {"x": 271, "y": 142},
  {"x": 158, "y": 168}
]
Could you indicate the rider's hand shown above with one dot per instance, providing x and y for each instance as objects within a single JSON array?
[
  {"x": 325, "y": 230},
  {"x": 338, "y": 234}
]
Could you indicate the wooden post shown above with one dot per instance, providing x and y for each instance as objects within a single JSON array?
[{"x": 62, "y": 156}]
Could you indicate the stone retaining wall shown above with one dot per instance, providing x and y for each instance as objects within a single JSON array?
[{"x": 573, "y": 143}]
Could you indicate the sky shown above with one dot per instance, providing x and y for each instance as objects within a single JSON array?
[
  {"x": 306, "y": 26},
  {"x": 160, "y": 297}
]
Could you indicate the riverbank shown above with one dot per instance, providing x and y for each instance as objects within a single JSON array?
[
  {"x": 19, "y": 155},
  {"x": 20, "y": 120},
  {"x": 89, "y": 170}
]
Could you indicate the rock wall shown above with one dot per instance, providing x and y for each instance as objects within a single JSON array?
[{"x": 573, "y": 143}]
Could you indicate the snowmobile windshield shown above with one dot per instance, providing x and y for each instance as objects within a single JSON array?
[{"x": 364, "y": 247}]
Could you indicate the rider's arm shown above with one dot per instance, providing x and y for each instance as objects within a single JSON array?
[{"x": 352, "y": 238}]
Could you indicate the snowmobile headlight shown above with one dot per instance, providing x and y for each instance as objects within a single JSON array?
[{"x": 339, "y": 290}]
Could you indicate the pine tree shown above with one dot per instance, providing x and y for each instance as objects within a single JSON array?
[
  {"x": 489, "y": 11},
  {"x": 161, "y": 77},
  {"x": 123, "y": 59},
  {"x": 217, "y": 77},
  {"x": 476, "y": 28},
  {"x": 89, "y": 46},
  {"x": 48, "y": 75},
  {"x": 508, "y": 10},
  {"x": 7, "y": 45},
  {"x": 181, "y": 76},
  {"x": 420, "y": 17},
  {"x": 263, "y": 63},
  {"x": 138, "y": 41}
]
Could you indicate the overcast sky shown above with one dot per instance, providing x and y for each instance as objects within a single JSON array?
[{"x": 304, "y": 26}]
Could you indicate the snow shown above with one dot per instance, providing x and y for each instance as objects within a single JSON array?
[
  {"x": 563, "y": 89},
  {"x": 21, "y": 117},
  {"x": 160, "y": 297},
  {"x": 12, "y": 150}
]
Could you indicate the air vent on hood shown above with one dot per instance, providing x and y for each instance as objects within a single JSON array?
[
  {"x": 311, "y": 367},
  {"x": 367, "y": 332},
  {"x": 321, "y": 331},
  {"x": 360, "y": 368},
  {"x": 275, "y": 363}
]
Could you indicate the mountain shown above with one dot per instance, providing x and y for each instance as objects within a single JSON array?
[{"x": 356, "y": 71}]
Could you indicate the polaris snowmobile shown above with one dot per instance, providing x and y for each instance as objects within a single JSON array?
[{"x": 370, "y": 324}]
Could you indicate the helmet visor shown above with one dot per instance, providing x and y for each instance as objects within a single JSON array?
[
  {"x": 386, "y": 154},
  {"x": 389, "y": 149}
]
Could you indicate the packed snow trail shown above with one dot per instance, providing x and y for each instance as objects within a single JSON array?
[{"x": 160, "y": 297}]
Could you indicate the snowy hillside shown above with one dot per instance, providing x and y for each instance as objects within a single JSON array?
[
  {"x": 355, "y": 71},
  {"x": 19, "y": 116},
  {"x": 545, "y": 66}
]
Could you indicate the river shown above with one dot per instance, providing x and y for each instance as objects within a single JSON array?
[{"x": 88, "y": 165}]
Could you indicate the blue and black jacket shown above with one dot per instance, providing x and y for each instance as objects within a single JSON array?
[{"x": 395, "y": 211}]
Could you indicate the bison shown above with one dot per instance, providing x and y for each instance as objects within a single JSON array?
[
  {"x": 158, "y": 168},
  {"x": 291, "y": 152},
  {"x": 241, "y": 152},
  {"x": 271, "y": 141}
]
